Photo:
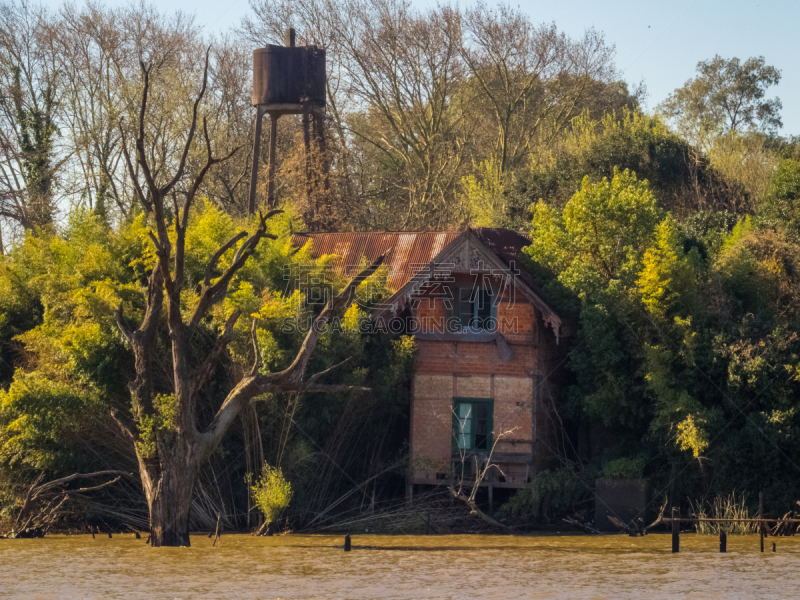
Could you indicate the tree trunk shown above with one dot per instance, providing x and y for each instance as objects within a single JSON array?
[{"x": 170, "y": 504}]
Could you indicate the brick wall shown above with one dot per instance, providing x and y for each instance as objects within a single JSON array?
[{"x": 447, "y": 369}]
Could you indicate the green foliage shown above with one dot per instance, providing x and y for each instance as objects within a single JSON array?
[
  {"x": 41, "y": 421},
  {"x": 594, "y": 148},
  {"x": 625, "y": 467},
  {"x": 271, "y": 493},
  {"x": 161, "y": 423},
  {"x": 69, "y": 365},
  {"x": 781, "y": 207},
  {"x": 550, "y": 492},
  {"x": 692, "y": 435},
  {"x": 727, "y": 95},
  {"x": 682, "y": 327},
  {"x": 600, "y": 235},
  {"x": 485, "y": 194},
  {"x": 667, "y": 274}
]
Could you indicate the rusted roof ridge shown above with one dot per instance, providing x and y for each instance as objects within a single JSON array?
[{"x": 410, "y": 250}]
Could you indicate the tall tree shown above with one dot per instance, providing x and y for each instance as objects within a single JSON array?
[
  {"x": 170, "y": 455},
  {"x": 726, "y": 96},
  {"x": 28, "y": 88},
  {"x": 529, "y": 75}
]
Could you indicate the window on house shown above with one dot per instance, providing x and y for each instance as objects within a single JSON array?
[
  {"x": 472, "y": 423},
  {"x": 475, "y": 307}
]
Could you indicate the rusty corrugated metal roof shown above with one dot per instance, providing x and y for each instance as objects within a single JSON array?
[{"x": 411, "y": 250}]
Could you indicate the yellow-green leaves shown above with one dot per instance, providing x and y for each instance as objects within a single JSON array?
[
  {"x": 692, "y": 436},
  {"x": 163, "y": 421},
  {"x": 602, "y": 232},
  {"x": 666, "y": 272},
  {"x": 484, "y": 195},
  {"x": 271, "y": 493}
]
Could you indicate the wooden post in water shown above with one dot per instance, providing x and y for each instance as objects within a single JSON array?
[
  {"x": 761, "y": 516},
  {"x": 347, "y": 543},
  {"x": 723, "y": 541},
  {"x": 216, "y": 534},
  {"x": 676, "y": 531},
  {"x": 774, "y": 549}
]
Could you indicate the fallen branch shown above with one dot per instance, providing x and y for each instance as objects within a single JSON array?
[
  {"x": 32, "y": 522},
  {"x": 579, "y": 525},
  {"x": 473, "y": 509},
  {"x": 660, "y": 516}
]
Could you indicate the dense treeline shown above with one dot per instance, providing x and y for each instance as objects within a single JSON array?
[{"x": 671, "y": 240}]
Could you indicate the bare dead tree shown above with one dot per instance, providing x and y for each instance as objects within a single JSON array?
[
  {"x": 482, "y": 470},
  {"x": 169, "y": 465}
]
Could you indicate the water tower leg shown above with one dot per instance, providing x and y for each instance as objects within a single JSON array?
[
  {"x": 311, "y": 213},
  {"x": 251, "y": 206},
  {"x": 273, "y": 137},
  {"x": 319, "y": 134}
]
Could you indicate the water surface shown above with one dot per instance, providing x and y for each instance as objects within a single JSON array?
[{"x": 400, "y": 567}]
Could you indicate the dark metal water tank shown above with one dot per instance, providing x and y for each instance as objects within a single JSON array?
[{"x": 289, "y": 76}]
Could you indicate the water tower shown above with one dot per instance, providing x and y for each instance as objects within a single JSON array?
[{"x": 287, "y": 80}]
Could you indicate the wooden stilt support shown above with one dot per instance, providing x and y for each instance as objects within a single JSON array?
[
  {"x": 676, "y": 531},
  {"x": 774, "y": 549},
  {"x": 723, "y": 541},
  {"x": 347, "y": 543}
]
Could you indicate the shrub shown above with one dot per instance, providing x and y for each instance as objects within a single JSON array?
[{"x": 271, "y": 493}]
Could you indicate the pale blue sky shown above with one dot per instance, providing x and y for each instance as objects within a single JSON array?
[{"x": 658, "y": 42}]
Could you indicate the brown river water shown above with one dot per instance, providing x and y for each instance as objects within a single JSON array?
[{"x": 401, "y": 567}]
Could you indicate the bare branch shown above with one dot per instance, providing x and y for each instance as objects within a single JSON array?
[
  {"x": 212, "y": 263},
  {"x": 337, "y": 305},
  {"x": 206, "y": 370},
  {"x": 316, "y": 376},
  {"x": 155, "y": 241},
  {"x": 290, "y": 379},
  {"x": 126, "y": 429},
  {"x": 190, "y": 137},
  {"x": 44, "y": 488},
  {"x": 256, "y": 351},
  {"x": 210, "y": 161},
  {"x": 132, "y": 172},
  {"x": 98, "y": 487},
  {"x": 123, "y": 327},
  {"x": 211, "y": 294},
  {"x": 142, "y": 157}
]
